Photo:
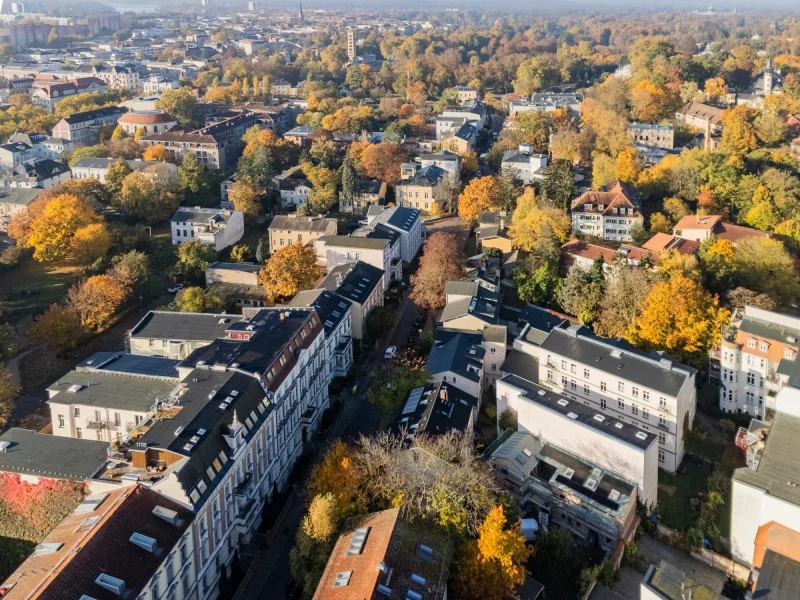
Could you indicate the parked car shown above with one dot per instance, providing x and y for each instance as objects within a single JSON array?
[
  {"x": 390, "y": 352},
  {"x": 176, "y": 288}
]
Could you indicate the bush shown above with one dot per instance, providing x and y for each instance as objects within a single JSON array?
[
  {"x": 508, "y": 420},
  {"x": 11, "y": 256},
  {"x": 727, "y": 426}
]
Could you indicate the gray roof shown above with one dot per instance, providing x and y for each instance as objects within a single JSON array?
[
  {"x": 767, "y": 330},
  {"x": 105, "y": 163},
  {"x": 585, "y": 415},
  {"x": 51, "y": 456},
  {"x": 368, "y": 243},
  {"x": 304, "y": 224},
  {"x": 495, "y": 333},
  {"x": 436, "y": 408},
  {"x": 91, "y": 115},
  {"x": 456, "y": 351},
  {"x": 244, "y": 267},
  {"x": 197, "y": 327},
  {"x": 522, "y": 364},
  {"x": 513, "y": 448},
  {"x": 461, "y": 288},
  {"x": 779, "y": 465},
  {"x": 132, "y": 364},
  {"x": 430, "y": 175},
  {"x": 22, "y": 196},
  {"x": 114, "y": 391},
  {"x": 331, "y": 307},
  {"x": 353, "y": 281},
  {"x": 618, "y": 358},
  {"x": 779, "y": 577},
  {"x": 404, "y": 218},
  {"x": 541, "y": 322},
  {"x": 190, "y": 215},
  {"x": 671, "y": 583}
]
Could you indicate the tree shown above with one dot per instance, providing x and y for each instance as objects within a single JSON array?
[
  {"x": 676, "y": 209},
  {"x": 678, "y": 316},
  {"x": 257, "y": 167},
  {"x": 157, "y": 152},
  {"x": 740, "y": 297},
  {"x": 91, "y": 242},
  {"x": 529, "y": 221},
  {"x": 659, "y": 223},
  {"x": 261, "y": 251},
  {"x": 60, "y": 328},
  {"x": 323, "y": 192},
  {"x": 96, "y": 300},
  {"x": 480, "y": 195},
  {"x": 198, "y": 300},
  {"x": 448, "y": 98},
  {"x": 245, "y": 199},
  {"x": 715, "y": 88},
  {"x": 181, "y": 104},
  {"x": 382, "y": 161},
  {"x": 764, "y": 266},
  {"x": 380, "y": 321},
  {"x": 151, "y": 195},
  {"x": 241, "y": 253},
  {"x": 98, "y": 151},
  {"x": 628, "y": 165},
  {"x": 558, "y": 184},
  {"x": 193, "y": 259},
  {"x": 8, "y": 390},
  {"x": 532, "y": 75},
  {"x": 716, "y": 263},
  {"x": 538, "y": 286},
  {"x": 603, "y": 170},
  {"x": 322, "y": 519},
  {"x": 51, "y": 232},
  {"x": 649, "y": 102},
  {"x": 119, "y": 133},
  {"x": 739, "y": 134},
  {"x": 770, "y": 128},
  {"x": 288, "y": 271},
  {"x": 442, "y": 261},
  {"x": 194, "y": 176},
  {"x": 8, "y": 342},
  {"x": 581, "y": 291},
  {"x": 116, "y": 173},
  {"x": 349, "y": 182},
  {"x": 130, "y": 269},
  {"x": 622, "y": 300},
  {"x": 337, "y": 475}
]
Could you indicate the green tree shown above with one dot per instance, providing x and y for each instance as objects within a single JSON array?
[
  {"x": 8, "y": 342},
  {"x": 538, "y": 286},
  {"x": 115, "y": 175},
  {"x": 349, "y": 181},
  {"x": 261, "y": 251},
  {"x": 193, "y": 259},
  {"x": 98, "y": 151},
  {"x": 194, "y": 176},
  {"x": 558, "y": 184},
  {"x": 181, "y": 104},
  {"x": 763, "y": 265},
  {"x": 581, "y": 292},
  {"x": 257, "y": 168}
]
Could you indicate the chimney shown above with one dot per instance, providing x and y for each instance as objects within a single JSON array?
[{"x": 707, "y": 141}]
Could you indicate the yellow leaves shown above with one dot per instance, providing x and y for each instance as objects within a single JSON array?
[
  {"x": 322, "y": 519},
  {"x": 346, "y": 463},
  {"x": 96, "y": 300},
  {"x": 524, "y": 232},
  {"x": 245, "y": 199},
  {"x": 739, "y": 134},
  {"x": 348, "y": 119},
  {"x": 649, "y": 102},
  {"x": 762, "y": 215},
  {"x": 481, "y": 195},
  {"x": 91, "y": 242},
  {"x": 157, "y": 152},
  {"x": 628, "y": 165},
  {"x": 715, "y": 88},
  {"x": 289, "y": 270},
  {"x": 52, "y": 231},
  {"x": 723, "y": 249},
  {"x": 507, "y": 547}
]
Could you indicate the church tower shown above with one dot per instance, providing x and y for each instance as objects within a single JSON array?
[{"x": 768, "y": 78}]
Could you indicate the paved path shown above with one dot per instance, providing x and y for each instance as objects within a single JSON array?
[{"x": 14, "y": 364}]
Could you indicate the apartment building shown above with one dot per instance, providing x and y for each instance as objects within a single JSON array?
[
  {"x": 14, "y": 153},
  {"x": 368, "y": 192},
  {"x": 36, "y": 173},
  {"x": 130, "y": 542},
  {"x": 527, "y": 165},
  {"x": 755, "y": 359},
  {"x": 420, "y": 187},
  {"x": 407, "y": 222},
  {"x": 219, "y": 228},
  {"x": 652, "y": 135},
  {"x": 701, "y": 116},
  {"x": 466, "y": 93},
  {"x": 285, "y": 230},
  {"x": 13, "y": 201},
  {"x": 217, "y": 146},
  {"x": 435, "y": 409},
  {"x": 162, "y": 334},
  {"x": 49, "y": 93},
  {"x": 458, "y": 359},
  {"x": 469, "y": 306},
  {"x": 360, "y": 284},
  {"x": 650, "y": 391},
  {"x": 547, "y": 102},
  {"x": 444, "y": 159},
  {"x": 155, "y": 85},
  {"x": 150, "y": 121},
  {"x": 113, "y": 75},
  {"x": 381, "y": 250},
  {"x": 609, "y": 213},
  {"x": 43, "y": 146},
  {"x": 81, "y": 128},
  {"x": 699, "y": 228},
  {"x": 96, "y": 168}
]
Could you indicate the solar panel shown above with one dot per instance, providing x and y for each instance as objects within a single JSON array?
[{"x": 413, "y": 400}]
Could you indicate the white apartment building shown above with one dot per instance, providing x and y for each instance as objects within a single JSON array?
[
  {"x": 217, "y": 227},
  {"x": 96, "y": 168},
  {"x": 755, "y": 359},
  {"x": 609, "y": 213},
  {"x": 405, "y": 221},
  {"x": 524, "y": 163},
  {"x": 358, "y": 283},
  {"x": 380, "y": 252},
  {"x": 163, "y": 335},
  {"x": 156, "y": 85},
  {"x": 649, "y": 391}
]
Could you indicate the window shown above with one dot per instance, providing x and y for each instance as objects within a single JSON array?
[
  {"x": 550, "y": 375},
  {"x": 635, "y": 409},
  {"x": 662, "y": 437},
  {"x": 621, "y": 386},
  {"x": 662, "y": 404},
  {"x": 788, "y": 353},
  {"x": 645, "y": 412},
  {"x": 60, "y": 421},
  {"x": 586, "y": 389},
  {"x": 751, "y": 379},
  {"x": 662, "y": 421},
  {"x": 603, "y": 403},
  {"x": 762, "y": 346},
  {"x": 77, "y": 412},
  {"x": 602, "y": 386},
  {"x": 492, "y": 350},
  {"x": 572, "y": 368},
  {"x": 749, "y": 397},
  {"x": 586, "y": 373},
  {"x": 751, "y": 343},
  {"x": 573, "y": 384},
  {"x": 563, "y": 381},
  {"x": 620, "y": 404},
  {"x": 645, "y": 395},
  {"x": 634, "y": 391},
  {"x": 661, "y": 456},
  {"x": 78, "y": 433},
  {"x": 564, "y": 365},
  {"x": 117, "y": 420}
]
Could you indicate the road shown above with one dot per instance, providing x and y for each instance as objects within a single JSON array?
[{"x": 357, "y": 417}]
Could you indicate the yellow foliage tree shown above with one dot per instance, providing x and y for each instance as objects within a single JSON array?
[
  {"x": 289, "y": 270},
  {"x": 739, "y": 135},
  {"x": 715, "y": 88},
  {"x": 680, "y": 317},
  {"x": 91, "y": 242},
  {"x": 526, "y": 225},
  {"x": 245, "y": 199},
  {"x": 649, "y": 102},
  {"x": 157, "y": 152},
  {"x": 52, "y": 231},
  {"x": 322, "y": 519},
  {"x": 119, "y": 133},
  {"x": 628, "y": 165},
  {"x": 96, "y": 300},
  {"x": 138, "y": 134},
  {"x": 481, "y": 195}
]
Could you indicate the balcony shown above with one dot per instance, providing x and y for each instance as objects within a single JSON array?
[
  {"x": 97, "y": 424},
  {"x": 244, "y": 485}
]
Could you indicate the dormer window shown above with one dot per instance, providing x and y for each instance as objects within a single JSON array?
[
  {"x": 615, "y": 210},
  {"x": 601, "y": 206},
  {"x": 788, "y": 353},
  {"x": 762, "y": 346},
  {"x": 751, "y": 343}
]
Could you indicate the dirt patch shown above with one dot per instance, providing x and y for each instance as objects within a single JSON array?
[{"x": 668, "y": 489}]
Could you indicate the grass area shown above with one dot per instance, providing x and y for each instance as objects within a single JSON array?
[
  {"x": 674, "y": 494},
  {"x": 706, "y": 447},
  {"x": 36, "y": 285}
]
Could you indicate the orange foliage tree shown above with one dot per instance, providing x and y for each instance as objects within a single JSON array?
[
  {"x": 157, "y": 152},
  {"x": 479, "y": 196},
  {"x": 51, "y": 232},
  {"x": 288, "y": 271},
  {"x": 382, "y": 161},
  {"x": 96, "y": 300},
  {"x": 442, "y": 260}
]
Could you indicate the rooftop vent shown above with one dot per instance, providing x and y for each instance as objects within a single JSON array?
[
  {"x": 569, "y": 473},
  {"x": 342, "y": 579},
  {"x": 170, "y": 516},
  {"x": 4, "y": 446},
  {"x": 357, "y": 543},
  {"x": 541, "y": 392},
  {"x": 201, "y": 431},
  {"x": 47, "y": 548},
  {"x": 90, "y": 503},
  {"x": 563, "y": 402},
  {"x": 641, "y": 435},
  {"x": 596, "y": 473},
  {"x": 616, "y": 353},
  {"x": 112, "y": 584},
  {"x": 144, "y": 542},
  {"x": 599, "y": 418},
  {"x": 572, "y": 415},
  {"x": 74, "y": 388},
  {"x": 613, "y": 495},
  {"x": 178, "y": 431},
  {"x": 618, "y": 425},
  {"x": 591, "y": 484},
  {"x": 188, "y": 447}
]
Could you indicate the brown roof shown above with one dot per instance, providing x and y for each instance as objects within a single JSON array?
[
  {"x": 146, "y": 118},
  {"x": 616, "y": 194},
  {"x": 722, "y": 230},
  {"x": 104, "y": 547},
  {"x": 737, "y": 233},
  {"x": 778, "y": 538},
  {"x": 699, "y": 110},
  {"x": 661, "y": 242},
  {"x": 698, "y": 222},
  {"x": 592, "y": 251}
]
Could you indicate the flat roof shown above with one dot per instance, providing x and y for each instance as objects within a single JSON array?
[
  {"x": 116, "y": 391},
  {"x": 132, "y": 364},
  {"x": 183, "y": 326},
  {"x": 51, "y": 456}
]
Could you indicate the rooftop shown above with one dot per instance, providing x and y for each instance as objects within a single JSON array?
[
  {"x": 295, "y": 223},
  {"x": 366, "y": 243},
  {"x": 331, "y": 307},
  {"x": 183, "y": 326},
  {"x": 244, "y": 267},
  {"x": 458, "y": 352},
  {"x": 672, "y": 584},
  {"x": 115, "y": 391},
  {"x": 353, "y": 281},
  {"x": 436, "y": 408},
  {"x": 132, "y": 364},
  {"x": 51, "y": 456},
  {"x": 90, "y": 115}
]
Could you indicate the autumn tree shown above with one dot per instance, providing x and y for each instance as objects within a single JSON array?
[
  {"x": 442, "y": 261},
  {"x": 245, "y": 199},
  {"x": 51, "y": 233},
  {"x": 715, "y": 89},
  {"x": 288, "y": 271},
  {"x": 528, "y": 220},
  {"x": 241, "y": 253},
  {"x": 382, "y": 161},
  {"x": 739, "y": 134},
  {"x": 8, "y": 391},
  {"x": 480, "y": 195},
  {"x": 60, "y": 328},
  {"x": 181, "y": 103},
  {"x": 628, "y": 165},
  {"x": 152, "y": 195},
  {"x": 91, "y": 242},
  {"x": 115, "y": 175},
  {"x": 649, "y": 102},
  {"x": 622, "y": 299},
  {"x": 194, "y": 177},
  {"x": 96, "y": 300},
  {"x": 157, "y": 152},
  {"x": 193, "y": 259},
  {"x": 678, "y": 316},
  {"x": 322, "y": 519},
  {"x": 337, "y": 475},
  {"x": 764, "y": 266},
  {"x": 196, "y": 299}
]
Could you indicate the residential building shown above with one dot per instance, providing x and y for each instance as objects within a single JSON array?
[
  {"x": 96, "y": 168},
  {"x": 127, "y": 542},
  {"x": 368, "y": 192},
  {"x": 435, "y": 409},
  {"x": 336, "y": 314},
  {"x": 407, "y": 222},
  {"x": 755, "y": 359},
  {"x": 667, "y": 582},
  {"x": 466, "y": 93},
  {"x": 453, "y": 118},
  {"x": 547, "y": 102},
  {"x": 384, "y": 555},
  {"x": 444, "y": 159},
  {"x": 609, "y": 213},
  {"x": 37, "y": 173},
  {"x": 298, "y": 135},
  {"x": 13, "y": 201},
  {"x": 285, "y": 230},
  {"x": 701, "y": 227},
  {"x": 595, "y": 504},
  {"x": 217, "y": 146},
  {"x": 285, "y": 89},
  {"x": 49, "y": 93},
  {"x": 14, "y": 153},
  {"x": 381, "y": 250},
  {"x": 114, "y": 76},
  {"x": 360, "y": 284},
  {"x": 457, "y": 359},
  {"x": 526, "y": 165},
  {"x": 652, "y": 135},
  {"x": 462, "y": 137},
  {"x": 162, "y": 334},
  {"x": 664, "y": 242},
  {"x": 43, "y": 146},
  {"x": 583, "y": 255},
  {"x": 237, "y": 283},
  {"x": 490, "y": 232},
  {"x": 156, "y": 85},
  {"x": 218, "y": 227},
  {"x": 701, "y": 116},
  {"x": 420, "y": 187},
  {"x": 581, "y": 430},
  {"x": 81, "y": 128},
  {"x": 294, "y": 189},
  {"x": 470, "y": 306},
  {"x": 648, "y": 390},
  {"x": 155, "y": 121}
]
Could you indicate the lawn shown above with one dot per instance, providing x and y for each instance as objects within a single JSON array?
[
  {"x": 37, "y": 285},
  {"x": 674, "y": 493},
  {"x": 705, "y": 447}
]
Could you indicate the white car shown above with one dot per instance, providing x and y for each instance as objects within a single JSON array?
[
  {"x": 176, "y": 288},
  {"x": 390, "y": 352}
]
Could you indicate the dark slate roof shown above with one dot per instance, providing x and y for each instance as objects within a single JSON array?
[
  {"x": 354, "y": 282},
  {"x": 331, "y": 307},
  {"x": 345, "y": 241},
  {"x": 97, "y": 113},
  {"x": 620, "y": 359},
  {"x": 119, "y": 362},
  {"x": 521, "y": 363},
  {"x": 51, "y": 456},
  {"x": 22, "y": 196},
  {"x": 770, "y": 331},
  {"x": 190, "y": 215},
  {"x": 115, "y": 391},
  {"x": 436, "y": 408},
  {"x": 430, "y": 175},
  {"x": 456, "y": 351},
  {"x": 244, "y": 267},
  {"x": 183, "y": 326},
  {"x": 404, "y": 218},
  {"x": 296, "y": 223},
  {"x": 585, "y": 415},
  {"x": 779, "y": 577},
  {"x": 382, "y": 232},
  {"x": 541, "y": 322}
]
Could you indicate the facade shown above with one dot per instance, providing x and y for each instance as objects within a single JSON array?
[
  {"x": 701, "y": 227},
  {"x": 43, "y": 146},
  {"x": 420, "y": 187},
  {"x": 657, "y": 136},
  {"x": 217, "y": 146},
  {"x": 649, "y": 391},
  {"x": 49, "y": 93},
  {"x": 583, "y": 255},
  {"x": 14, "y": 153},
  {"x": 755, "y": 360},
  {"x": 466, "y": 93},
  {"x": 609, "y": 213},
  {"x": 360, "y": 284},
  {"x": 37, "y": 173},
  {"x": 149, "y": 121},
  {"x": 13, "y": 201},
  {"x": 285, "y": 230},
  {"x": 294, "y": 191},
  {"x": 701, "y": 116},
  {"x": 368, "y": 192},
  {"x": 527, "y": 165},
  {"x": 163, "y": 335},
  {"x": 237, "y": 283},
  {"x": 444, "y": 159},
  {"x": 407, "y": 222},
  {"x": 381, "y": 252},
  {"x": 217, "y": 227},
  {"x": 114, "y": 76},
  {"x": 156, "y": 85},
  {"x": 490, "y": 232},
  {"x": 81, "y": 128},
  {"x": 547, "y": 102},
  {"x": 96, "y": 168},
  {"x": 457, "y": 359}
]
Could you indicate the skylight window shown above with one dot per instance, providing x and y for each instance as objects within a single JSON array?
[{"x": 342, "y": 579}]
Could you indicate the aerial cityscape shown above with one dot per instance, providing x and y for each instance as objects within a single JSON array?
[{"x": 347, "y": 302}]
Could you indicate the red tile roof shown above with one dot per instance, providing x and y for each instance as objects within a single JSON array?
[
  {"x": 592, "y": 251},
  {"x": 661, "y": 242},
  {"x": 722, "y": 230}
]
